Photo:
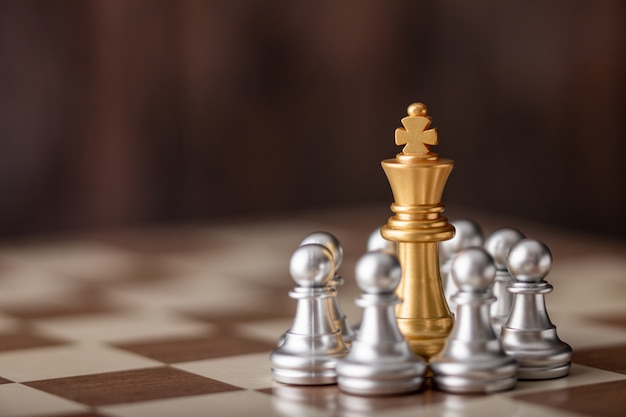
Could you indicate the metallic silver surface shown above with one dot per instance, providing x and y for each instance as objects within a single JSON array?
[
  {"x": 528, "y": 334},
  {"x": 468, "y": 234},
  {"x": 377, "y": 242},
  {"x": 498, "y": 245},
  {"x": 312, "y": 346},
  {"x": 330, "y": 241},
  {"x": 381, "y": 361},
  {"x": 339, "y": 318},
  {"x": 473, "y": 359}
]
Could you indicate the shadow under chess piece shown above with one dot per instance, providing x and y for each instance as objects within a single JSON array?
[
  {"x": 468, "y": 234},
  {"x": 473, "y": 360},
  {"x": 528, "y": 334},
  {"x": 333, "y": 244},
  {"x": 298, "y": 400},
  {"x": 312, "y": 346},
  {"x": 498, "y": 245},
  {"x": 381, "y": 361}
]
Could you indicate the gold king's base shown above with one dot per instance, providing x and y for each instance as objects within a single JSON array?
[
  {"x": 417, "y": 178},
  {"x": 424, "y": 318},
  {"x": 425, "y": 335}
]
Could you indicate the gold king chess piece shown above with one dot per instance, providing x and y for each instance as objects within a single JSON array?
[{"x": 417, "y": 178}]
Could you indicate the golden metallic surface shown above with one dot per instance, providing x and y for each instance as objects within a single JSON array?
[
  {"x": 417, "y": 179},
  {"x": 415, "y": 135},
  {"x": 417, "y": 109}
]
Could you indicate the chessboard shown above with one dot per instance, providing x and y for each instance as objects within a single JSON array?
[{"x": 181, "y": 321}]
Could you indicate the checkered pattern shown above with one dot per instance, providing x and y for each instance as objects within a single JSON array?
[{"x": 181, "y": 322}]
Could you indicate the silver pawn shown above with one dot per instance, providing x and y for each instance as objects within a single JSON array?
[
  {"x": 528, "y": 334},
  {"x": 338, "y": 317},
  {"x": 381, "y": 361},
  {"x": 498, "y": 245},
  {"x": 472, "y": 360},
  {"x": 468, "y": 234},
  {"x": 312, "y": 346},
  {"x": 377, "y": 242}
]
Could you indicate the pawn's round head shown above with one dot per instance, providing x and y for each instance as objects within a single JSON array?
[
  {"x": 328, "y": 240},
  {"x": 468, "y": 234},
  {"x": 378, "y": 272},
  {"x": 473, "y": 270},
  {"x": 529, "y": 260},
  {"x": 311, "y": 265},
  {"x": 376, "y": 241},
  {"x": 500, "y": 242}
]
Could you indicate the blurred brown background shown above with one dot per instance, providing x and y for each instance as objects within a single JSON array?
[{"x": 125, "y": 113}]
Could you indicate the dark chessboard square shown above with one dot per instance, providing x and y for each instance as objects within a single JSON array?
[
  {"x": 81, "y": 302},
  {"x": 226, "y": 319},
  {"x": 191, "y": 349},
  {"x": 611, "y": 358},
  {"x": 618, "y": 320},
  {"x": 270, "y": 306},
  {"x": 24, "y": 340},
  {"x": 600, "y": 400},
  {"x": 4, "y": 381},
  {"x": 131, "y": 386},
  {"x": 79, "y": 415},
  {"x": 57, "y": 311}
]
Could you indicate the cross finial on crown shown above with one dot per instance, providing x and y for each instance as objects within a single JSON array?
[{"x": 414, "y": 135}]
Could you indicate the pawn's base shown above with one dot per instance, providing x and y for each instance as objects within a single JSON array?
[
  {"x": 308, "y": 360},
  {"x": 497, "y": 374},
  {"x": 371, "y": 388},
  {"x": 459, "y": 385},
  {"x": 540, "y": 353},
  {"x": 546, "y": 372},
  {"x": 297, "y": 377},
  {"x": 384, "y": 378}
]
